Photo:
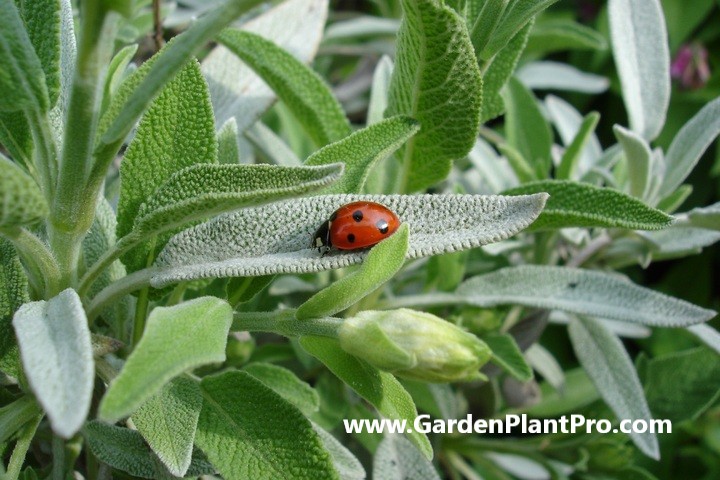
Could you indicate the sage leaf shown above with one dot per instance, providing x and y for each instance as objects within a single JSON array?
[
  {"x": 16, "y": 137},
  {"x": 244, "y": 438},
  {"x": 642, "y": 59},
  {"x": 125, "y": 450},
  {"x": 706, "y": 334},
  {"x": 286, "y": 384},
  {"x": 610, "y": 368},
  {"x": 13, "y": 293},
  {"x": 437, "y": 224},
  {"x": 66, "y": 70},
  {"x": 563, "y": 34},
  {"x": 569, "y": 123},
  {"x": 176, "y": 339},
  {"x": 571, "y": 157},
  {"x": 515, "y": 17},
  {"x": 228, "y": 148},
  {"x": 23, "y": 80},
  {"x": 379, "y": 388},
  {"x": 507, "y": 355},
  {"x": 584, "y": 292},
  {"x": 436, "y": 80},
  {"x": 302, "y": 90},
  {"x": 678, "y": 241},
  {"x": 637, "y": 155},
  {"x": 688, "y": 146},
  {"x": 362, "y": 150},
  {"x": 397, "y": 459},
  {"x": 485, "y": 22},
  {"x": 16, "y": 414},
  {"x": 575, "y": 204},
  {"x": 705, "y": 217},
  {"x": 548, "y": 75},
  {"x": 168, "y": 420},
  {"x": 57, "y": 358},
  {"x": 380, "y": 265},
  {"x": 236, "y": 90},
  {"x": 22, "y": 202},
  {"x": 347, "y": 466},
  {"x": 271, "y": 145}
]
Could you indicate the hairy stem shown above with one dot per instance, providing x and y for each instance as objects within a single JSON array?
[
  {"x": 43, "y": 270},
  {"x": 284, "y": 323},
  {"x": 116, "y": 290}
]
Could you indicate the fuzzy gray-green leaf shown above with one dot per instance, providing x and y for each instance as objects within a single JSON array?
[
  {"x": 22, "y": 80},
  {"x": 436, "y": 81},
  {"x": 56, "y": 353},
  {"x": 574, "y": 204},
  {"x": 563, "y": 34},
  {"x": 398, "y": 459},
  {"x": 584, "y": 292},
  {"x": 13, "y": 293},
  {"x": 515, "y": 17},
  {"x": 286, "y": 384},
  {"x": 175, "y": 339},
  {"x": 303, "y": 91},
  {"x": 637, "y": 155},
  {"x": 362, "y": 150},
  {"x": 229, "y": 246},
  {"x": 705, "y": 217},
  {"x": 22, "y": 202},
  {"x": 228, "y": 148}
]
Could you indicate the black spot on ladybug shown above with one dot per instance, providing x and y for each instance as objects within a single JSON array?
[
  {"x": 351, "y": 238},
  {"x": 357, "y": 215},
  {"x": 382, "y": 225}
]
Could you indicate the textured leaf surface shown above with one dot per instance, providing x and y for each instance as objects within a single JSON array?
[
  {"x": 13, "y": 293},
  {"x": 398, "y": 459},
  {"x": 125, "y": 450},
  {"x": 347, "y": 466},
  {"x": 507, "y": 354},
  {"x": 562, "y": 34},
  {"x": 286, "y": 384},
  {"x": 228, "y": 245},
  {"x": 228, "y": 148},
  {"x": 176, "y": 339},
  {"x": 249, "y": 431},
  {"x": 381, "y": 264},
  {"x": 609, "y": 366},
  {"x": 706, "y": 217},
  {"x": 436, "y": 81},
  {"x": 236, "y": 90},
  {"x": 22, "y": 80},
  {"x": 167, "y": 421},
  {"x": 56, "y": 352},
  {"x": 379, "y": 388},
  {"x": 571, "y": 157},
  {"x": 302, "y": 90},
  {"x": 584, "y": 292},
  {"x": 22, "y": 201},
  {"x": 642, "y": 59},
  {"x": 637, "y": 155},
  {"x": 177, "y": 131},
  {"x": 706, "y": 334},
  {"x": 362, "y": 150},
  {"x": 549, "y": 75},
  {"x": 515, "y": 17},
  {"x": 574, "y": 204}
]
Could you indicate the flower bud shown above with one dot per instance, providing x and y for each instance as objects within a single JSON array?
[{"x": 415, "y": 345}]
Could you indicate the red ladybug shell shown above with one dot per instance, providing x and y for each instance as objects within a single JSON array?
[{"x": 356, "y": 225}]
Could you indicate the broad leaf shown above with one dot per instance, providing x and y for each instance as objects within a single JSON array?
[
  {"x": 22, "y": 202},
  {"x": 679, "y": 241},
  {"x": 16, "y": 137},
  {"x": 57, "y": 358},
  {"x": 398, "y": 459},
  {"x": 13, "y": 293},
  {"x": 705, "y": 217},
  {"x": 381, "y": 264},
  {"x": 379, "y": 388},
  {"x": 302, "y": 90},
  {"x": 507, "y": 355},
  {"x": 575, "y": 204},
  {"x": 436, "y": 81},
  {"x": 262, "y": 436},
  {"x": 22, "y": 81},
  {"x": 642, "y": 59},
  {"x": 177, "y": 131},
  {"x": 362, "y": 150},
  {"x": 277, "y": 238},
  {"x": 637, "y": 155},
  {"x": 580, "y": 291},
  {"x": 286, "y": 384},
  {"x": 228, "y": 148},
  {"x": 347, "y": 466},
  {"x": 167, "y": 421},
  {"x": 176, "y": 339},
  {"x": 609, "y": 366}
]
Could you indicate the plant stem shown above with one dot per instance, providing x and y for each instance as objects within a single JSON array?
[
  {"x": 593, "y": 247},
  {"x": 284, "y": 323},
  {"x": 116, "y": 251},
  {"x": 17, "y": 459},
  {"x": 45, "y": 154},
  {"x": 116, "y": 290},
  {"x": 58, "y": 451},
  {"x": 141, "y": 309},
  {"x": 43, "y": 270}
]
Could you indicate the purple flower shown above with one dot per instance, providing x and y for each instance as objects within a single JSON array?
[{"x": 690, "y": 66}]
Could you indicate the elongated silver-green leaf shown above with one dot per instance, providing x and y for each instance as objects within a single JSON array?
[
  {"x": 22, "y": 80},
  {"x": 362, "y": 150},
  {"x": 705, "y": 217},
  {"x": 585, "y": 292},
  {"x": 507, "y": 355},
  {"x": 379, "y": 388},
  {"x": 22, "y": 202},
  {"x": 575, "y": 204},
  {"x": 13, "y": 293},
  {"x": 277, "y": 238},
  {"x": 548, "y": 75},
  {"x": 707, "y": 334},
  {"x": 515, "y": 17},
  {"x": 610, "y": 368},
  {"x": 57, "y": 358},
  {"x": 125, "y": 450},
  {"x": 176, "y": 339},
  {"x": 484, "y": 24},
  {"x": 286, "y": 384},
  {"x": 571, "y": 157},
  {"x": 568, "y": 122},
  {"x": 68, "y": 54},
  {"x": 347, "y": 466},
  {"x": 168, "y": 420},
  {"x": 679, "y": 241},
  {"x": 262, "y": 436},
  {"x": 271, "y": 145},
  {"x": 398, "y": 459},
  {"x": 642, "y": 59},
  {"x": 563, "y": 34},
  {"x": 688, "y": 146},
  {"x": 637, "y": 155},
  {"x": 383, "y": 261},
  {"x": 436, "y": 81},
  {"x": 236, "y": 90},
  {"x": 302, "y": 90}
]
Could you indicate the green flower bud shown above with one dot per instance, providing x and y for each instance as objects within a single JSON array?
[{"x": 415, "y": 345}]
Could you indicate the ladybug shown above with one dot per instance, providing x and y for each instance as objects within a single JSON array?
[{"x": 354, "y": 226}]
